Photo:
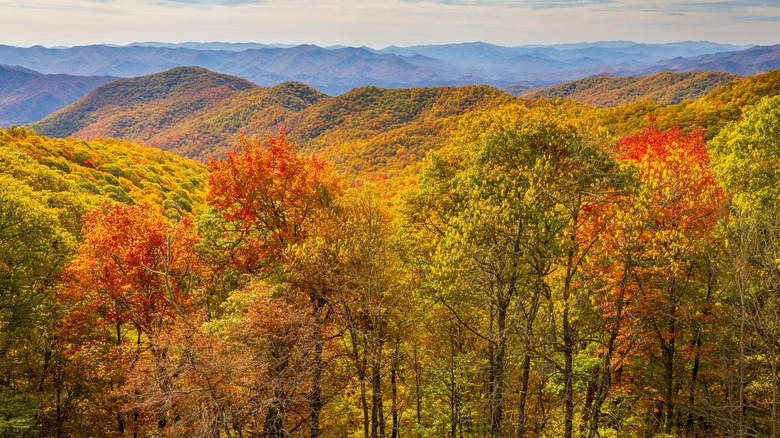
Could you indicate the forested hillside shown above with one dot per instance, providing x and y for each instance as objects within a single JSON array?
[
  {"x": 137, "y": 107},
  {"x": 370, "y": 134},
  {"x": 711, "y": 112},
  {"x": 432, "y": 262},
  {"x": 665, "y": 88}
]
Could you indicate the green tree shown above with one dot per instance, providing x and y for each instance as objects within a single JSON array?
[
  {"x": 508, "y": 204},
  {"x": 745, "y": 156}
]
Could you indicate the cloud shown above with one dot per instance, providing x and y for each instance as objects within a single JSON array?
[
  {"x": 728, "y": 5},
  {"x": 527, "y": 4},
  {"x": 759, "y": 18},
  {"x": 210, "y": 2},
  {"x": 379, "y": 23}
]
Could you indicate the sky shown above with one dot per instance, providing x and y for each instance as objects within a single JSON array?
[{"x": 380, "y": 23}]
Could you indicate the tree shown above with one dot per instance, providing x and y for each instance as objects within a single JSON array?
[
  {"x": 653, "y": 259},
  {"x": 508, "y": 205},
  {"x": 35, "y": 244},
  {"x": 744, "y": 156},
  {"x": 132, "y": 277},
  {"x": 268, "y": 196}
]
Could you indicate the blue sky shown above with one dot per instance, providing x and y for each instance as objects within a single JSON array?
[{"x": 379, "y": 23}]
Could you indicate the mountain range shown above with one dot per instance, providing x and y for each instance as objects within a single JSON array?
[
  {"x": 27, "y": 95},
  {"x": 336, "y": 70},
  {"x": 197, "y": 113}
]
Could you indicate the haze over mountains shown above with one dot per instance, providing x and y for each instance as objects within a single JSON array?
[
  {"x": 335, "y": 70},
  {"x": 27, "y": 95},
  {"x": 37, "y": 81}
]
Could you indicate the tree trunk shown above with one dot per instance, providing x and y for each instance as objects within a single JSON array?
[
  {"x": 524, "y": 379},
  {"x": 315, "y": 401},
  {"x": 394, "y": 390},
  {"x": 606, "y": 372},
  {"x": 273, "y": 426},
  {"x": 362, "y": 366},
  {"x": 417, "y": 391},
  {"x": 377, "y": 414},
  {"x": 568, "y": 373},
  {"x": 668, "y": 351},
  {"x": 497, "y": 390}
]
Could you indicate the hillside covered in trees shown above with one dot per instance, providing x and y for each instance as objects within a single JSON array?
[
  {"x": 370, "y": 134},
  {"x": 665, "y": 88},
  {"x": 432, "y": 262}
]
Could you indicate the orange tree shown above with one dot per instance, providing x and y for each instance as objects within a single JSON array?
[{"x": 654, "y": 267}]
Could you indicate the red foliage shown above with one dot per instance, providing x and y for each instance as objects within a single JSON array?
[
  {"x": 270, "y": 193},
  {"x": 131, "y": 267}
]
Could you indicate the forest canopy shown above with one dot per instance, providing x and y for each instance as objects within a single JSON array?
[{"x": 546, "y": 270}]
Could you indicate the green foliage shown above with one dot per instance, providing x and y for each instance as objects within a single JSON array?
[
  {"x": 104, "y": 171},
  {"x": 746, "y": 153},
  {"x": 17, "y": 414},
  {"x": 666, "y": 88}
]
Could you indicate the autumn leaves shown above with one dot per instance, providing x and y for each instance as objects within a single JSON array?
[{"x": 541, "y": 279}]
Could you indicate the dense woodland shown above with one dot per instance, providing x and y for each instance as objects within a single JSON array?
[{"x": 537, "y": 269}]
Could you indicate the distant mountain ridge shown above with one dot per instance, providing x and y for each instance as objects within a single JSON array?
[
  {"x": 336, "y": 70},
  {"x": 332, "y": 71},
  {"x": 752, "y": 61},
  {"x": 27, "y": 96}
]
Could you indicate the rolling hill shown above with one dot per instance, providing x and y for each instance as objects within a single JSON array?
[
  {"x": 27, "y": 96},
  {"x": 711, "y": 112},
  {"x": 81, "y": 175},
  {"x": 369, "y": 133},
  {"x": 606, "y": 90},
  {"x": 125, "y": 106},
  {"x": 196, "y": 113}
]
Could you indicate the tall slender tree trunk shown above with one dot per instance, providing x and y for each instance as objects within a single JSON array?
[
  {"x": 524, "y": 380},
  {"x": 377, "y": 411},
  {"x": 773, "y": 367},
  {"x": 568, "y": 330},
  {"x": 499, "y": 365},
  {"x": 568, "y": 373},
  {"x": 568, "y": 346},
  {"x": 606, "y": 371},
  {"x": 315, "y": 401},
  {"x": 690, "y": 422},
  {"x": 529, "y": 344},
  {"x": 455, "y": 350},
  {"x": 394, "y": 390},
  {"x": 362, "y": 366},
  {"x": 668, "y": 352},
  {"x": 417, "y": 389}
]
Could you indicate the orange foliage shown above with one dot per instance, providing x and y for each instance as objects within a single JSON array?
[
  {"x": 270, "y": 193},
  {"x": 132, "y": 266}
]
